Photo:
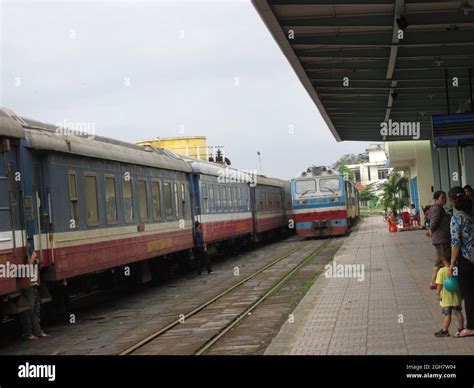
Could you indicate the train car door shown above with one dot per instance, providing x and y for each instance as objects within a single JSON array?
[
  {"x": 11, "y": 230},
  {"x": 195, "y": 198},
  {"x": 39, "y": 208}
]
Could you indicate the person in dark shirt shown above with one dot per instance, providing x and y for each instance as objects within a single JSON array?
[
  {"x": 470, "y": 195},
  {"x": 439, "y": 233},
  {"x": 30, "y": 319},
  {"x": 200, "y": 250},
  {"x": 469, "y": 192}
]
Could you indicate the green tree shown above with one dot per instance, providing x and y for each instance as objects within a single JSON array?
[
  {"x": 367, "y": 193},
  {"x": 347, "y": 172},
  {"x": 395, "y": 192},
  {"x": 349, "y": 159}
]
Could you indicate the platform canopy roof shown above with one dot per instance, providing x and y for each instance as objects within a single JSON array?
[{"x": 404, "y": 80}]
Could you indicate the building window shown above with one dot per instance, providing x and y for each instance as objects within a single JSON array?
[
  {"x": 168, "y": 199},
  {"x": 156, "y": 197},
  {"x": 128, "y": 201},
  {"x": 92, "y": 204},
  {"x": 73, "y": 198},
  {"x": 110, "y": 200},
  {"x": 357, "y": 176},
  {"x": 368, "y": 174},
  {"x": 383, "y": 174}
]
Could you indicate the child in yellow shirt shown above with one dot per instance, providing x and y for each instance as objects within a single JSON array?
[{"x": 449, "y": 302}]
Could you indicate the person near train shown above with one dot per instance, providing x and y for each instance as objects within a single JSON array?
[
  {"x": 462, "y": 257},
  {"x": 439, "y": 231},
  {"x": 470, "y": 194},
  {"x": 200, "y": 250},
  {"x": 450, "y": 301},
  {"x": 30, "y": 319}
]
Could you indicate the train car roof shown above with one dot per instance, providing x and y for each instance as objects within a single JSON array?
[
  {"x": 318, "y": 171},
  {"x": 209, "y": 168},
  {"x": 214, "y": 169},
  {"x": 43, "y": 136},
  {"x": 10, "y": 124},
  {"x": 263, "y": 180}
]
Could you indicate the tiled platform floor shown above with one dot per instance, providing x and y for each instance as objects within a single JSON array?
[{"x": 392, "y": 311}]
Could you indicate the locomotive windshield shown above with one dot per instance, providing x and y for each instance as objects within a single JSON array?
[
  {"x": 305, "y": 186},
  {"x": 329, "y": 184}
]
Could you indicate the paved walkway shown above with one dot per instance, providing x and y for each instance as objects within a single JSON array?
[{"x": 392, "y": 311}]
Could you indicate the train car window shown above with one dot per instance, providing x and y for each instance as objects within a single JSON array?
[
  {"x": 92, "y": 204},
  {"x": 218, "y": 198},
  {"x": 73, "y": 198},
  {"x": 176, "y": 200},
  {"x": 143, "y": 199},
  {"x": 229, "y": 198},
  {"x": 184, "y": 199},
  {"x": 128, "y": 201},
  {"x": 205, "y": 199},
  {"x": 156, "y": 198},
  {"x": 278, "y": 200},
  {"x": 236, "y": 200},
  {"x": 240, "y": 199},
  {"x": 110, "y": 200},
  {"x": 305, "y": 186},
  {"x": 168, "y": 199},
  {"x": 211, "y": 199},
  {"x": 329, "y": 185},
  {"x": 224, "y": 199},
  {"x": 270, "y": 200}
]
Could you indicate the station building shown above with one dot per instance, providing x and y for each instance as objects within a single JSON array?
[
  {"x": 374, "y": 170},
  {"x": 380, "y": 71},
  {"x": 192, "y": 146}
]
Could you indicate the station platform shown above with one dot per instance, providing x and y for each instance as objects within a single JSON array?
[{"x": 391, "y": 311}]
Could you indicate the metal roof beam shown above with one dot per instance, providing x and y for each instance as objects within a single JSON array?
[
  {"x": 431, "y": 20},
  {"x": 329, "y": 2},
  {"x": 384, "y": 39}
]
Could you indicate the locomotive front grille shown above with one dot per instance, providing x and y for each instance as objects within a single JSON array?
[{"x": 320, "y": 224}]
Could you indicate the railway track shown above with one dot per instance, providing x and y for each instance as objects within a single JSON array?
[{"x": 203, "y": 308}]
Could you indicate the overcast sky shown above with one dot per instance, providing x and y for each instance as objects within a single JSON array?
[{"x": 139, "y": 70}]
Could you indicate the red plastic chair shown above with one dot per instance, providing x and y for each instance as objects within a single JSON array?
[
  {"x": 392, "y": 226},
  {"x": 406, "y": 219}
]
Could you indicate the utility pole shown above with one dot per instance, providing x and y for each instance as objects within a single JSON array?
[{"x": 259, "y": 161}]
